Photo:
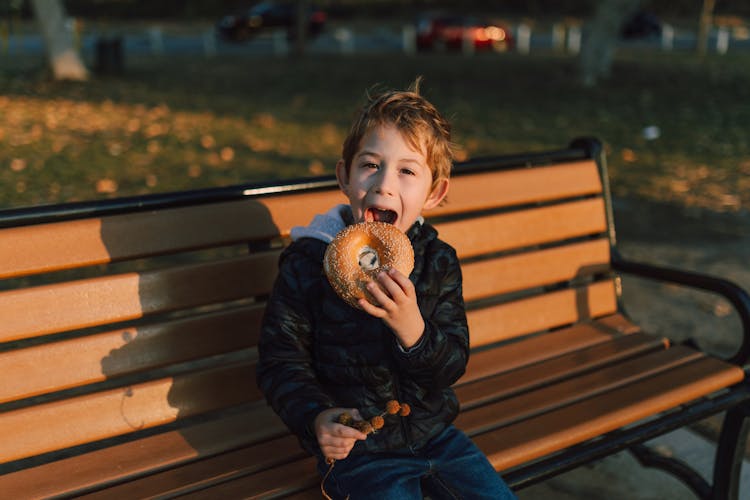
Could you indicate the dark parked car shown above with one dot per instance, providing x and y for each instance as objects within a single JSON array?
[
  {"x": 451, "y": 32},
  {"x": 642, "y": 24},
  {"x": 267, "y": 15}
]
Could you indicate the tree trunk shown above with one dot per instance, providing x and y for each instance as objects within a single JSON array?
[
  {"x": 704, "y": 25},
  {"x": 64, "y": 59},
  {"x": 600, "y": 44},
  {"x": 300, "y": 28}
]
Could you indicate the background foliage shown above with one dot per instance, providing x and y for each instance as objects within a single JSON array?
[{"x": 174, "y": 123}]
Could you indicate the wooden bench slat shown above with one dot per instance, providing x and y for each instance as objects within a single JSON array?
[
  {"x": 66, "y": 306},
  {"x": 526, "y": 405},
  {"x": 550, "y": 432},
  {"x": 75, "y": 475},
  {"x": 208, "y": 472},
  {"x": 551, "y": 310},
  {"x": 51, "y": 247},
  {"x": 618, "y": 323},
  {"x": 124, "y": 351},
  {"x": 486, "y": 278},
  {"x": 520, "y": 186},
  {"x": 533, "y": 226},
  {"x": 509, "y": 381},
  {"x": 64, "y": 245},
  {"x": 308, "y": 494},
  {"x": 84, "y": 419},
  {"x": 538, "y": 348},
  {"x": 277, "y": 482}
]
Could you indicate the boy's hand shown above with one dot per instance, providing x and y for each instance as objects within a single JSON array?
[
  {"x": 398, "y": 307},
  {"x": 336, "y": 440}
]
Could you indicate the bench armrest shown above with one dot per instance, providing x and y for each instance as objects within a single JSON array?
[{"x": 730, "y": 290}]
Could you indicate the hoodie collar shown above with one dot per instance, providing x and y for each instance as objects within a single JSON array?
[{"x": 324, "y": 226}]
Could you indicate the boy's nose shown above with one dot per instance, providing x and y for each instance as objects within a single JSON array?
[{"x": 386, "y": 183}]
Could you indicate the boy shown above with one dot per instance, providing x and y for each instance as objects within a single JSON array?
[{"x": 319, "y": 357}]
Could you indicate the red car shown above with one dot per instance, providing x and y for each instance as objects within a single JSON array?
[{"x": 452, "y": 32}]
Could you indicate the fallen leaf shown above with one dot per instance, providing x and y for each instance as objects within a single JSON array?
[
  {"x": 208, "y": 141},
  {"x": 316, "y": 167},
  {"x": 194, "y": 170},
  {"x": 17, "y": 164},
  {"x": 680, "y": 186},
  {"x": 106, "y": 186},
  {"x": 628, "y": 155},
  {"x": 227, "y": 154}
]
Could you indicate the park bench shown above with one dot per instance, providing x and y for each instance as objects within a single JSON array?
[{"x": 129, "y": 326}]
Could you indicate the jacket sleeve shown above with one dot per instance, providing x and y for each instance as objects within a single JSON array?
[
  {"x": 285, "y": 372},
  {"x": 439, "y": 358}
]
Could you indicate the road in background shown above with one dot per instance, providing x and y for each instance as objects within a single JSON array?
[{"x": 156, "y": 40}]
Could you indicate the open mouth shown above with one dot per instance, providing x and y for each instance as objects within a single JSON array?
[{"x": 380, "y": 215}]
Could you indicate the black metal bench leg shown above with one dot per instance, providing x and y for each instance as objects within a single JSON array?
[
  {"x": 681, "y": 470},
  {"x": 730, "y": 453}
]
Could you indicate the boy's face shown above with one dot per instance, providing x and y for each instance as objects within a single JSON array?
[{"x": 388, "y": 180}]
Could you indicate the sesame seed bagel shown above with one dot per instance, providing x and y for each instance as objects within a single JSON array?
[{"x": 359, "y": 252}]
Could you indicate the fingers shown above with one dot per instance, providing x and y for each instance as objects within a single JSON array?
[
  {"x": 340, "y": 444},
  {"x": 390, "y": 286},
  {"x": 337, "y": 451},
  {"x": 403, "y": 282},
  {"x": 390, "y": 291},
  {"x": 337, "y": 440},
  {"x": 371, "y": 309},
  {"x": 346, "y": 432}
]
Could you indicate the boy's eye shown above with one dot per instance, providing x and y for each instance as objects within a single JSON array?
[
  {"x": 407, "y": 171},
  {"x": 370, "y": 165}
]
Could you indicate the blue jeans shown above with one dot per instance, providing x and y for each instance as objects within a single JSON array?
[{"x": 450, "y": 466}]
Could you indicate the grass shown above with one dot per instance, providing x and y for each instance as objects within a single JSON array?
[{"x": 182, "y": 123}]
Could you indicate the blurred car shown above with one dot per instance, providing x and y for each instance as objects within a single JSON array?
[
  {"x": 436, "y": 32},
  {"x": 267, "y": 15},
  {"x": 642, "y": 24}
]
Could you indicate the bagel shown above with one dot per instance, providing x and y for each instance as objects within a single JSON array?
[{"x": 359, "y": 252}]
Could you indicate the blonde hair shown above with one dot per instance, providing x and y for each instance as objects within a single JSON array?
[{"x": 421, "y": 124}]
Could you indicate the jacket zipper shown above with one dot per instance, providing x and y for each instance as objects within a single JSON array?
[{"x": 405, "y": 430}]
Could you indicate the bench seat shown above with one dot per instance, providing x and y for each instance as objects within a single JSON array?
[
  {"x": 511, "y": 429},
  {"x": 611, "y": 377},
  {"x": 130, "y": 327}
]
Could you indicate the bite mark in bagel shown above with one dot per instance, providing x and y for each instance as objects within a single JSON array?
[{"x": 360, "y": 252}]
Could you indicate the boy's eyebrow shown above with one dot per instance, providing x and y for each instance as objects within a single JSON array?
[
  {"x": 367, "y": 153},
  {"x": 376, "y": 155}
]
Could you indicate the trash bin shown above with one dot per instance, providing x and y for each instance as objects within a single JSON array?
[{"x": 108, "y": 55}]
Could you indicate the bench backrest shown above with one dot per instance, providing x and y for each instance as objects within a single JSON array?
[{"x": 126, "y": 315}]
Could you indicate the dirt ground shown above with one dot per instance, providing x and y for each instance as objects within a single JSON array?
[{"x": 696, "y": 240}]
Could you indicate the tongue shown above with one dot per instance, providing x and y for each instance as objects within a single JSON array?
[{"x": 388, "y": 216}]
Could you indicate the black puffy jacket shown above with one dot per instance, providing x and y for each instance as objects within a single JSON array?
[{"x": 317, "y": 352}]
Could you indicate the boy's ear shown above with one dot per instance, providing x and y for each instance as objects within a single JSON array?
[
  {"x": 437, "y": 195},
  {"x": 341, "y": 175}
]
